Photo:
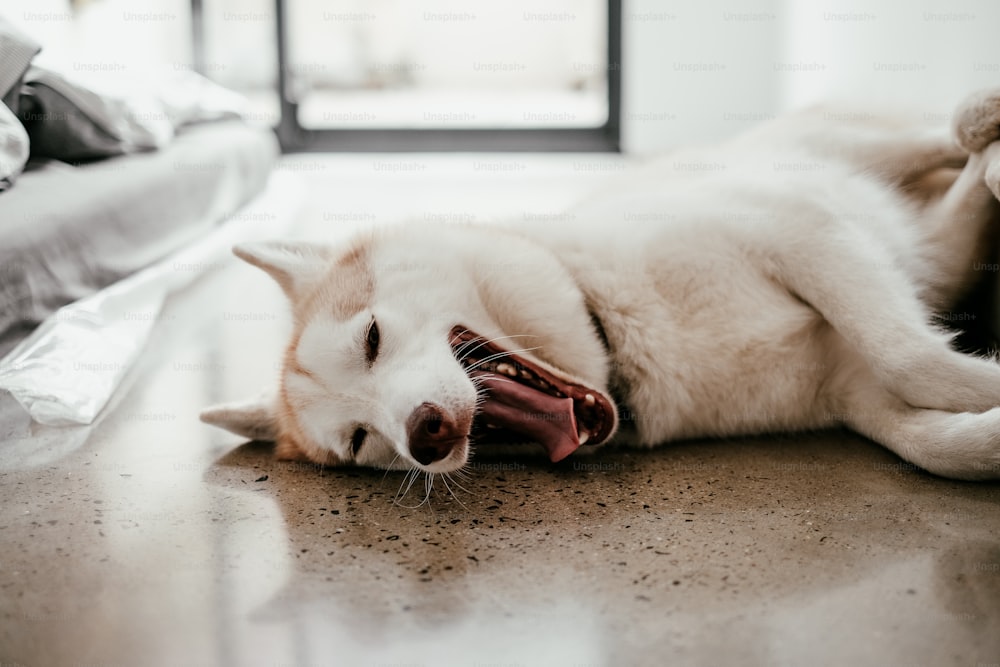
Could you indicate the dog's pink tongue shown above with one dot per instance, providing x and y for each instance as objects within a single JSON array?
[{"x": 546, "y": 419}]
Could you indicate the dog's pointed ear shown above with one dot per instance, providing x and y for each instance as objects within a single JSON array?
[
  {"x": 294, "y": 265},
  {"x": 257, "y": 419}
]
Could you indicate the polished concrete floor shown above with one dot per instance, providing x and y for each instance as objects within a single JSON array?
[{"x": 152, "y": 539}]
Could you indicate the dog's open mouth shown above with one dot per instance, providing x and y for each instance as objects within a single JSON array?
[{"x": 523, "y": 402}]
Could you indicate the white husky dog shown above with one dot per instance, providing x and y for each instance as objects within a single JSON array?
[{"x": 786, "y": 280}]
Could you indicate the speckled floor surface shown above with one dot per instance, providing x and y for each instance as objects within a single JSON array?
[{"x": 151, "y": 539}]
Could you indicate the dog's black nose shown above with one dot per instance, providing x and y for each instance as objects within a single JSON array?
[{"x": 433, "y": 434}]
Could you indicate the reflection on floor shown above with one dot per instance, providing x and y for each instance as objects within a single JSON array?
[{"x": 152, "y": 539}]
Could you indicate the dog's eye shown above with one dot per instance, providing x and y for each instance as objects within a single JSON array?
[
  {"x": 371, "y": 341},
  {"x": 357, "y": 440}
]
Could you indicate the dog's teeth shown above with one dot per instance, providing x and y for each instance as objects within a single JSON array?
[
  {"x": 584, "y": 437},
  {"x": 507, "y": 369},
  {"x": 589, "y": 399},
  {"x": 526, "y": 375}
]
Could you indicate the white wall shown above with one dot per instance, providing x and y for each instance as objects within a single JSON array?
[
  {"x": 50, "y": 22},
  {"x": 761, "y": 58},
  {"x": 110, "y": 36},
  {"x": 695, "y": 70},
  {"x": 923, "y": 54}
]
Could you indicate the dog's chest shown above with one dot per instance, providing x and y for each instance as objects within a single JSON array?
[
  {"x": 750, "y": 365},
  {"x": 704, "y": 344}
]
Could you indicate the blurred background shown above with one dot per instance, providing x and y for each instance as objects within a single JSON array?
[{"x": 689, "y": 71}]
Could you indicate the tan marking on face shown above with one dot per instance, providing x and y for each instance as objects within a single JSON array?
[
  {"x": 345, "y": 291},
  {"x": 292, "y": 363},
  {"x": 287, "y": 449},
  {"x": 293, "y": 444}
]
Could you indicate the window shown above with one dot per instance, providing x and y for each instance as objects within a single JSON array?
[{"x": 368, "y": 75}]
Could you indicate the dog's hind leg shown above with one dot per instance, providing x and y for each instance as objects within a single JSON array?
[
  {"x": 881, "y": 311},
  {"x": 874, "y": 306},
  {"x": 960, "y": 226},
  {"x": 959, "y": 445},
  {"x": 959, "y": 229},
  {"x": 896, "y": 149}
]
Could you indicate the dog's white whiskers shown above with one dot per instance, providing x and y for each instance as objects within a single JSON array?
[
  {"x": 500, "y": 355},
  {"x": 458, "y": 336},
  {"x": 452, "y": 477},
  {"x": 416, "y": 476},
  {"x": 464, "y": 353},
  {"x": 428, "y": 486},
  {"x": 444, "y": 480},
  {"x": 462, "y": 474},
  {"x": 482, "y": 342},
  {"x": 464, "y": 349},
  {"x": 508, "y": 337},
  {"x": 397, "y": 497},
  {"x": 475, "y": 343},
  {"x": 411, "y": 476},
  {"x": 389, "y": 467}
]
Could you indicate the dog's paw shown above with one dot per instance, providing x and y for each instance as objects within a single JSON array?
[
  {"x": 992, "y": 176},
  {"x": 976, "y": 122}
]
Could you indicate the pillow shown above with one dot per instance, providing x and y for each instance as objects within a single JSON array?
[
  {"x": 188, "y": 97},
  {"x": 70, "y": 122},
  {"x": 16, "y": 52},
  {"x": 13, "y": 147}
]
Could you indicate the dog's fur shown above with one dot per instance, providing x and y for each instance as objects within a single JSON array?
[{"x": 786, "y": 280}]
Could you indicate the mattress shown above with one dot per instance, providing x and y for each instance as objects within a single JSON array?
[{"x": 66, "y": 230}]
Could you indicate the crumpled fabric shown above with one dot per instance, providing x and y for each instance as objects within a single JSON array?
[
  {"x": 13, "y": 147},
  {"x": 78, "y": 117},
  {"x": 68, "y": 368},
  {"x": 16, "y": 52}
]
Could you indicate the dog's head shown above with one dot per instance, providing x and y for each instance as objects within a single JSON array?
[{"x": 411, "y": 347}]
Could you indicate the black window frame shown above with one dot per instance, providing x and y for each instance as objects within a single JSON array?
[{"x": 294, "y": 138}]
